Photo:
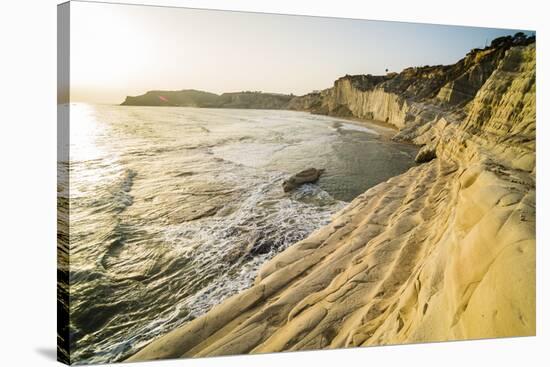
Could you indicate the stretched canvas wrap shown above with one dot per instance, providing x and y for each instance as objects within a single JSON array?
[{"x": 238, "y": 183}]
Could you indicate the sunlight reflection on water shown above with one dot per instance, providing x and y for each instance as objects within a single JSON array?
[{"x": 174, "y": 209}]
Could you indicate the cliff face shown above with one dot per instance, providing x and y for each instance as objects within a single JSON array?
[
  {"x": 445, "y": 251},
  {"x": 416, "y": 95},
  {"x": 195, "y": 98}
]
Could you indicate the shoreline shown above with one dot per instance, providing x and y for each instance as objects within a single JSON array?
[
  {"x": 286, "y": 218},
  {"x": 385, "y": 129},
  {"x": 426, "y": 256}
]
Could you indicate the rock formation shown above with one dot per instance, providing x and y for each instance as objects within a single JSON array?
[
  {"x": 445, "y": 251},
  {"x": 196, "y": 98},
  {"x": 302, "y": 177},
  {"x": 186, "y": 97},
  {"x": 425, "y": 154}
]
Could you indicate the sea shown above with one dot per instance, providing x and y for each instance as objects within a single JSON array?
[{"x": 173, "y": 209}]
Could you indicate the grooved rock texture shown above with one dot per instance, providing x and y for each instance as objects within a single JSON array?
[
  {"x": 417, "y": 95},
  {"x": 445, "y": 251}
]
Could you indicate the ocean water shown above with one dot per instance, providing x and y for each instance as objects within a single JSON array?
[{"x": 173, "y": 210}]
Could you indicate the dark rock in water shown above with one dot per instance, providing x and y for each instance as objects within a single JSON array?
[
  {"x": 425, "y": 154},
  {"x": 302, "y": 177},
  {"x": 263, "y": 245},
  {"x": 256, "y": 244}
]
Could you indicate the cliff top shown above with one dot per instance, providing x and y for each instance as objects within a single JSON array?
[{"x": 424, "y": 82}]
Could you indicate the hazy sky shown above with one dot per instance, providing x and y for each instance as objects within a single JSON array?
[{"x": 119, "y": 50}]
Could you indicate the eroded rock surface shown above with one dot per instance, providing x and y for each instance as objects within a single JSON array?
[
  {"x": 445, "y": 251},
  {"x": 425, "y": 154}
]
